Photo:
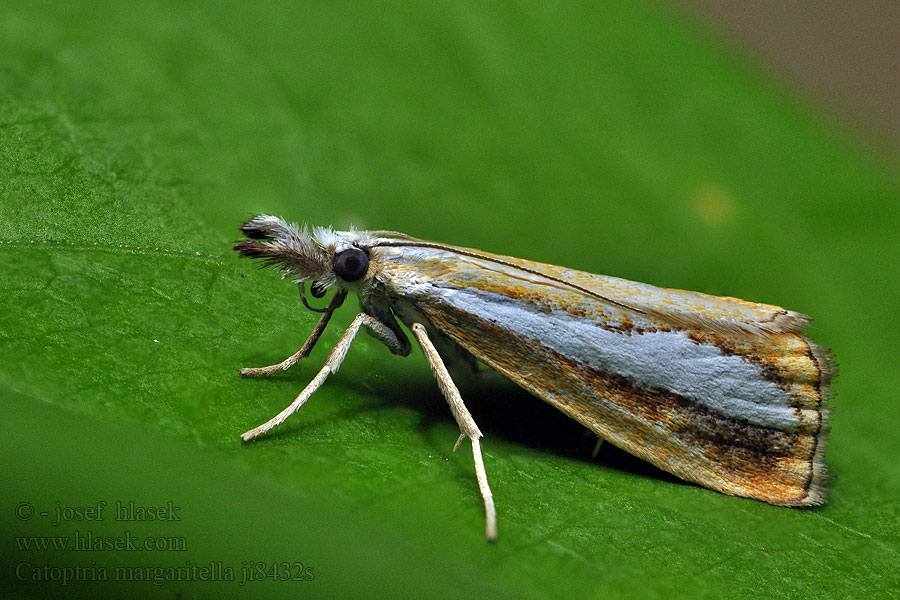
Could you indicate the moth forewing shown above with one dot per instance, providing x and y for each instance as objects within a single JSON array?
[{"x": 723, "y": 392}]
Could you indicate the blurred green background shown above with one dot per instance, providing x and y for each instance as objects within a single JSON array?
[{"x": 619, "y": 140}]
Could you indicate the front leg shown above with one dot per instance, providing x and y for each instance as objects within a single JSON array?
[
  {"x": 308, "y": 345},
  {"x": 378, "y": 329}
]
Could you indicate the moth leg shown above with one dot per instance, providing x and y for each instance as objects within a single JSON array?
[
  {"x": 381, "y": 331},
  {"x": 597, "y": 447},
  {"x": 290, "y": 361},
  {"x": 466, "y": 423}
]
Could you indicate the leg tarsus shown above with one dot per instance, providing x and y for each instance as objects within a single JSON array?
[
  {"x": 490, "y": 513},
  {"x": 272, "y": 369}
]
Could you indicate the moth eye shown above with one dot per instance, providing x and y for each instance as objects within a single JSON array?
[{"x": 351, "y": 265}]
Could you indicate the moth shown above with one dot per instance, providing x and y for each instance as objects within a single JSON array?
[{"x": 725, "y": 393}]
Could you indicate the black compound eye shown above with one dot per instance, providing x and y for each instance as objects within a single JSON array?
[{"x": 351, "y": 265}]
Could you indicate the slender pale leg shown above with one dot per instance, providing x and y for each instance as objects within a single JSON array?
[
  {"x": 467, "y": 426},
  {"x": 466, "y": 423},
  {"x": 332, "y": 364},
  {"x": 290, "y": 361},
  {"x": 597, "y": 447}
]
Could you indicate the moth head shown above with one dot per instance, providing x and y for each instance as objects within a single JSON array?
[{"x": 323, "y": 256}]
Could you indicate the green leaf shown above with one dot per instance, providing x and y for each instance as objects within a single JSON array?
[{"x": 618, "y": 140}]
